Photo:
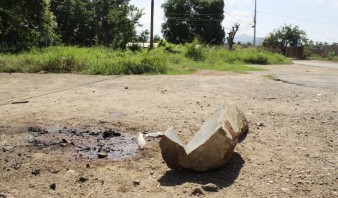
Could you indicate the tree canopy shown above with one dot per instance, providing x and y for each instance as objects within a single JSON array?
[
  {"x": 89, "y": 22},
  {"x": 28, "y": 23},
  {"x": 284, "y": 36},
  {"x": 187, "y": 20}
]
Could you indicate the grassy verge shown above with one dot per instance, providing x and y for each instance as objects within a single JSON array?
[
  {"x": 319, "y": 58},
  {"x": 171, "y": 59}
]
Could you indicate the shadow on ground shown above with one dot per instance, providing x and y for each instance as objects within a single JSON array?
[{"x": 222, "y": 177}]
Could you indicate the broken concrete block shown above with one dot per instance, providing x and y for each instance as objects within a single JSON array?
[
  {"x": 213, "y": 144},
  {"x": 172, "y": 148}
]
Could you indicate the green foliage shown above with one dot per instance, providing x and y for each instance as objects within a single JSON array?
[
  {"x": 96, "y": 22},
  {"x": 307, "y": 54},
  {"x": 162, "y": 43},
  {"x": 331, "y": 54},
  {"x": 187, "y": 20},
  {"x": 143, "y": 37},
  {"x": 25, "y": 24},
  {"x": 284, "y": 36},
  {"x": 75, "y": 21},
  {"x": 195, "y": 51},
  {"x": 100, "y": 60}
]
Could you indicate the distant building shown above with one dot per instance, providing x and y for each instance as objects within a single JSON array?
[{"x": 143, "y": 45}]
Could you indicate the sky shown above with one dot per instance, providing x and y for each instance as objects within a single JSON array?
[{"x": 318, "y": 18}]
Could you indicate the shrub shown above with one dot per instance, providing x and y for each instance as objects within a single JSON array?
[
  {"x": 173, "y": 59},
  {"x": 256, "y": 59},
  {"x": 195, "y": 51}
]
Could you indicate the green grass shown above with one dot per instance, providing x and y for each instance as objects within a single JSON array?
[
  {"x": 309, "y": 55},
  {"x": 316, "y": 57},
  {"x": 171, "y": 59}
]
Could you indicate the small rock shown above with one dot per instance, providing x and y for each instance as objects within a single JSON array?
[
  {"x": 102, "y": 155},
  {"x": 141, "y": 142},
  {"x": 126, "y": 87},
  {"x": 16, "y": 165},
  {"x": 63, "y": 144},
  {"x": 198, "y": 191},
  {"x": 110, "y": 133},
  {"x": 152, "y": 172},
  {"x": 6, "y": 195},
  {"x": 136, "y": 182},
  {"x": 8, "y": 149},
  {"x": 54, "y": 171},
  {"x": 210, "y": 187},
  {"x": 52, "y": 186},
  {"x": 107, "y": 134},
  {"x": 36, "y": 172},
  {"x": 300, "y": 182},
  {"x": 83, "y": 179},
  {"x": 260, "y": 124},
  {"x": 154, "y": 135},
  {"x": 87, "y": 166},
  {"x": 285, "y": 190}
]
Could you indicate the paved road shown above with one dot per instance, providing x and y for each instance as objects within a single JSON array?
[
  {"x": 317, "y": 63},
  {"x": 316, "y": 74}
]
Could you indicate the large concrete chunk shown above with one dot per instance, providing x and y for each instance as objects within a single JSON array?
[{"x": 213, "y": 144}]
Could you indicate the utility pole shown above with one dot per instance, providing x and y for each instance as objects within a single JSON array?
[
  {"x": 255, "y": 22},
  {"x": 152, "y": 26}
]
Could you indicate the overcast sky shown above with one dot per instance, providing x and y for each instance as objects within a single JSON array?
[{"x": 318, "y": 18}]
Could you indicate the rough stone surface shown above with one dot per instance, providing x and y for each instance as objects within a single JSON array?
[
  {"x": 102, "y": 155},
  {"x": 198, "y": 191},
  {"x": 136, "y": 182},
  {"x": 213, "y": 144},
  {"x": 210, "y": 187}
]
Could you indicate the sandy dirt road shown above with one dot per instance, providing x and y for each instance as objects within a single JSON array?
[{"x": 294, "y": 153}]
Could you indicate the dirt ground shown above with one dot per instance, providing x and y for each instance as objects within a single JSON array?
[{"x": 290, "y": 150}]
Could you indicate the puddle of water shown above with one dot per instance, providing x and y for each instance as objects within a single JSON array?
[{"x": 93, "y": 144}]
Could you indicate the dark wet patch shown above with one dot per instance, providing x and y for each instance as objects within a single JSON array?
[{"x": 94, "y": 144}]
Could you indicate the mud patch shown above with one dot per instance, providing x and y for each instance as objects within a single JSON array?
[{"x": 109, "y": 144}]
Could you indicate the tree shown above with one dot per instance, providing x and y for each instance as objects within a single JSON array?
[
  {"x": 187, "y": 20},
  {"x": 157, "y": 38},
  {"x": 207, "y": 20},
  {"x": 285, "y": 36},
  {"x": 75, "y": 21},
  {"x": 89, "y": 22},
  {"x": 116, "y": 21},
  {"x": 25, "y": 24},
  {"x": 144, "y": 36},
  {"x": 231, "y": 35},
  {"x": 177, "y": 28}
]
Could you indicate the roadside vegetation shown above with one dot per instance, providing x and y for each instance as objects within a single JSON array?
[
  {"x": 168, "y": 59},
  {"x": 309, "y": 55}
]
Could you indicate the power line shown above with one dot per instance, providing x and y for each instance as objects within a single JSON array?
[
  {"x": 192, "y": 14},
  {"x": 307, "y": 20},
  {"x": 236, "y": 18}
]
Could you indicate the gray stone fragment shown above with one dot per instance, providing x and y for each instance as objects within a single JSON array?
[
  {"x": 136, "y": 182},
  {"x": 198, "y": 191},
  {"x": 8, "y": 149},
  {"x": 210, "y": 187},
  {"x": 102, "y": 155},
  {"x": 211, "y": 147}
]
